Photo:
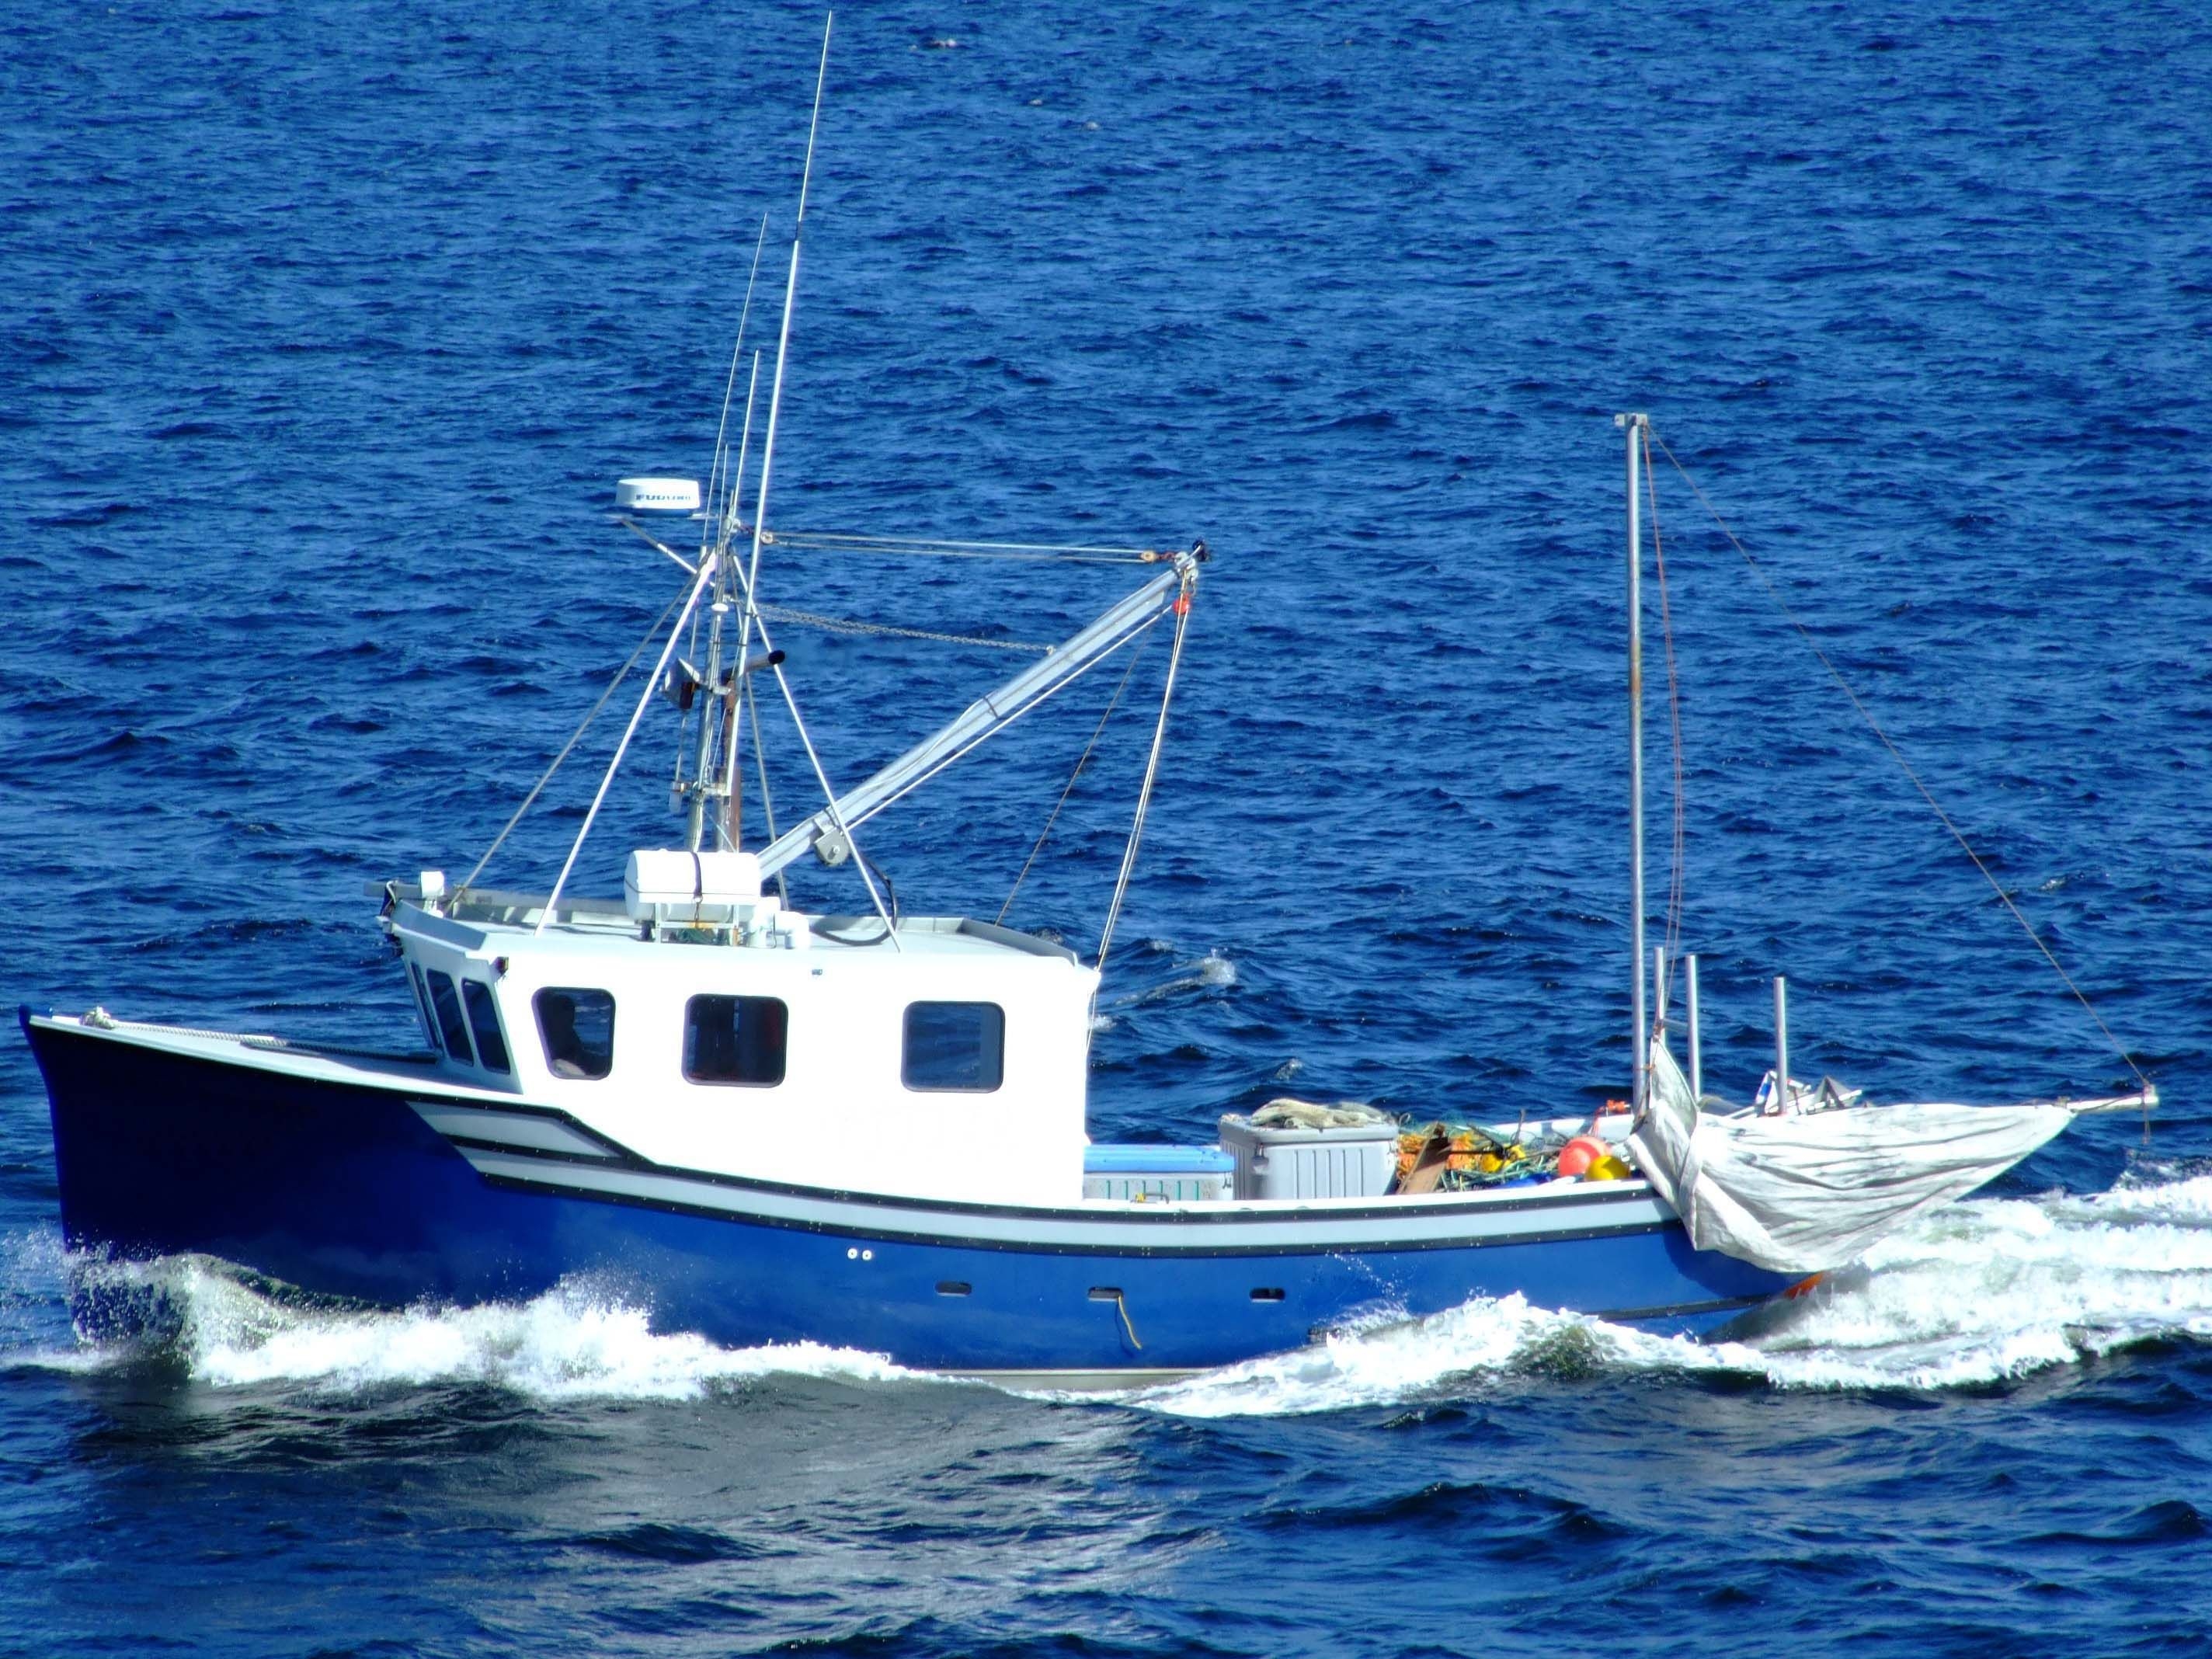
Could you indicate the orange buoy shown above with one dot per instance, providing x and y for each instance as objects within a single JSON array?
[{"x": 1578, "y": 1154}]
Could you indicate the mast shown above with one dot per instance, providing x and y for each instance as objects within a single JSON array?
[
  {"x": 749, "y": 621},
  {"x": 1636, "y": 426},
  {"x": 696, "y": 829}
]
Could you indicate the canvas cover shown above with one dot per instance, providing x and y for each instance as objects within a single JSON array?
[{"x": 1811, "y": 1192}]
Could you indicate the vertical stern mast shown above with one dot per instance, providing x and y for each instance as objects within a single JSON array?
[{"x": 1635, "y": 426}]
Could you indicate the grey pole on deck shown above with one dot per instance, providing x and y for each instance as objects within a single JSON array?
[
  {"x": 1781, "y": 1044},
  {"x": 1635, "y": 426},
  {"x": 1690, "y": 1015}
]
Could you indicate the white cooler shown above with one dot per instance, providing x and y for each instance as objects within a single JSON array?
[{"x": 1357, "y": 1161}]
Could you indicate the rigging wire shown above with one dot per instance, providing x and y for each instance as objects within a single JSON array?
[
  {"x": 806, "y": 541},
  {"x": 621, "y": 747},
  {"x": 1677, "y": 868},
  {"x": 575, "y": 737},
  {"x": 760, "y": 764},
  {"x": 1181, "y": 608},
  {"x": 814, "y": 760},
  {"x": 1905, "y": 766},
  {"x": 1037, "y": 702},
  {"x": 1081, "y": 761},
  {"x": 850, "y": 625}
]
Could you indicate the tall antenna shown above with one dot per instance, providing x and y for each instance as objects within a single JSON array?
[
  {"x": 775, "y": 396},
  {"x": 1639, "y": 1053},
  {"x": 768, "y": 467},
  {"x": 783, "y": 336},
  {"x": 715, "y": 537},
  {"x": 721, "y": 530},
  {"x": 732, "y": 787},
  {"x": 713, "y": 564}
]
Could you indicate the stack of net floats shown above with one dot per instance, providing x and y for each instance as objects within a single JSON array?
[{"x": 1455, "y": 1158}]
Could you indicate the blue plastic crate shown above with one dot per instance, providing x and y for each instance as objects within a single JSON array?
[{"x": 1163, "y": 1174}]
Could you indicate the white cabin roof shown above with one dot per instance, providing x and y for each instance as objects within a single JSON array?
[{"x": 601, "y": 929}]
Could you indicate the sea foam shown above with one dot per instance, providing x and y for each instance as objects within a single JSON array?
[
  {"x": 1978, "y": 1292},
  {"x": 229, "y": 1331}
]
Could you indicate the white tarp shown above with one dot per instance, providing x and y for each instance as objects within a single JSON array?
[{"x": 1810, "y": 1192}]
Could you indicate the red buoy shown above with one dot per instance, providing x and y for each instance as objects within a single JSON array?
[{"x": 1578, "y": 1154}]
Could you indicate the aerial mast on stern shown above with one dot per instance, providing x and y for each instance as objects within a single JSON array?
[{"x": 1635, "y": 426}]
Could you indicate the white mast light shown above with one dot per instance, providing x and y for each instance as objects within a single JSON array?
[{"x": 657, "y": 495}]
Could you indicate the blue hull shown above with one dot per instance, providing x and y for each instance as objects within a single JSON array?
[{"x": 347, "y": 1190}]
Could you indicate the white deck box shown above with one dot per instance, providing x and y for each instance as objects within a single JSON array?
[{"x": 1357, "y": 1161}]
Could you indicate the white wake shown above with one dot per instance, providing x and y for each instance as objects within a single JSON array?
[
  {"x": 1982, "y": 1291},
  {"x": 570, "y": 1343}
]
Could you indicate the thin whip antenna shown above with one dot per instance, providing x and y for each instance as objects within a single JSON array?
[
  {"x": 744, "y": 449},
  {"x": 730, "y": 783},
  {"x": 1905, "y": 766},
  {"x": 783, "y": 335},
  {"x": 751, "y": 623},
  {"x": 729, "y": 388}
]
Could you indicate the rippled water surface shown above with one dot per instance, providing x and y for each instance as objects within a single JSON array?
[{"x": 325, "y": 330}]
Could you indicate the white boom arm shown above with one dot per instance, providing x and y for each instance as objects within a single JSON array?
[{"x": 983, "y": 719}]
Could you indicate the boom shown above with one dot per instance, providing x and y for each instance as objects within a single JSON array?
[{"x": 983, "y": 719}]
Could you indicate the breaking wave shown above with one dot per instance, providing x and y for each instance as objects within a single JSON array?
[
  {"x": 226, "y": 1330},
  {"x": 1982, "y": 1292}
]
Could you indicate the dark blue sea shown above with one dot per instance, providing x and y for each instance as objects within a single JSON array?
[{"x": 324, "y": 332}]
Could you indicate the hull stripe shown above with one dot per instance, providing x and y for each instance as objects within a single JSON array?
[{"x": 1312, "y": 1236}]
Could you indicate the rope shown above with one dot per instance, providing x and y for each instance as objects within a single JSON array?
[
  {"x": 848, "y": 625},
  {"x": 1151, "y": 770},
  {"x": 1122, "y": 1305},
  {"x": 575, "y": 737},
  {"x": 1905, "y": 766},
  {"x": 1082, "y": 761}
]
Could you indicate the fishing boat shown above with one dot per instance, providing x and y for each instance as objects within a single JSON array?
[{"x": 869, "y": 1129}]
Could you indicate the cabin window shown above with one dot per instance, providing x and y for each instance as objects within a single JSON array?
[
  {"x": 447, "y": 1002},
  {"x": 483, "y": 1020},
  {"x": 734, "y": 1040},
  {"x": 423, "y": 1003},
  {"x": 578, "y": 1027},
  {"x": 959, "y": 1046}
]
